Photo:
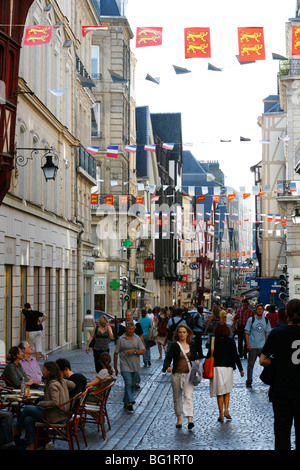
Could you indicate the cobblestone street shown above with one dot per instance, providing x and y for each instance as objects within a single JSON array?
[{"x": 152, "y": 424}]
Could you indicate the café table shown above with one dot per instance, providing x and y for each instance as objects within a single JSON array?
[{"x": 14, "y": 400}]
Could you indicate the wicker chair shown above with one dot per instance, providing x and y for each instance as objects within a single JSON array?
[
  {"x": 68, "y": 430},
  {"x": 95, "y": 407}
]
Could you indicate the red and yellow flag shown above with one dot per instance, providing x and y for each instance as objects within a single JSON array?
[
  {"x": 216, "y": 198},
  {"x": 124, "y": 200},
  {"x": 197, "y": 42},
  {"x": 109, "y": 200},
  {"x": 200, "y": 198},
  {"x": 139, "y": 200},
  {"x": 246, "y": 195},
  {"x": 231, "y": 197},
  {"x": 149, "y": 36},
  {"x": 94, "y": 198},
  {"x": 295, "y": 40},
  {"x": 251, "y": 44},
  {"x": 37, "y": 34}
]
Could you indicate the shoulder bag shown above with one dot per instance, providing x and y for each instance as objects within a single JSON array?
[
  {"x": 194, "y": 370},
  {"x": 152, "y": 333},
  {"x": 208, "y": 366}
]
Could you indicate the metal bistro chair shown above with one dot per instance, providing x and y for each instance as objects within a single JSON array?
[
  {"x": 67, "y": 430},
  {"x": 95, "y": 410},
  {"x": 13, "y": 406}
]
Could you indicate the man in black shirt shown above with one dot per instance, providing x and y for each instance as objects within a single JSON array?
[
  {"x": 78, "y": 378},
  {"x": 283, "y": 347},
  {"x": 33, "y": 323}
]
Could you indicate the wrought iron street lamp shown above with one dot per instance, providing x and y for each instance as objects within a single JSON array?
[{"x": 49, "y": 168}]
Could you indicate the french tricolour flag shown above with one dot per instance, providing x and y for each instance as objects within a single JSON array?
[
  {"x": 150, "y": 148},
  {"x": 92, "y": 150},
  {"x": 130, "y": 148},
  {"x": 168, "y": 146},
  {"x": 112, "y": 151}
]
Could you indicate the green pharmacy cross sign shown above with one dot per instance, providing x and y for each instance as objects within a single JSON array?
[
  {"x": 114, "y": 284},
  {"x": 127, "y": 243}
]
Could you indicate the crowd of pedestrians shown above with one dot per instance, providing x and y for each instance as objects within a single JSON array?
[{"x": 262, "y": 332}]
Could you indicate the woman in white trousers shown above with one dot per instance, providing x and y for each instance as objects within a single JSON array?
[{"x": 181, "y": 352}]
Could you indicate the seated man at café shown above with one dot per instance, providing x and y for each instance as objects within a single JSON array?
[
  {"x": 78, "y": 378},
  {"x": 30, "y": 365}
]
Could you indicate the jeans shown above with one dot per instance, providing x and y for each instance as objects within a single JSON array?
[
  {"x": 130, "y": 379},
  {"x": 253, "y": 354},
  {"x": 284, "y": 414},
  {"x": 242, "y": 347},
  {"x": 29, "y": 416},
  {"x": 147, "y": 355}
]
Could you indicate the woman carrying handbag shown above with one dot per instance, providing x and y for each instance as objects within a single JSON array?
[
  {"x": 226, "y": 359},
  {"x": 182, "y": 349}
]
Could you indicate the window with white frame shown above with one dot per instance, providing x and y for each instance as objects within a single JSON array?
[{"x": 95, "y": 62}]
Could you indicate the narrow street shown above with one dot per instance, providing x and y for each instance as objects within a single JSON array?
[{"x": 152, "y": 424}]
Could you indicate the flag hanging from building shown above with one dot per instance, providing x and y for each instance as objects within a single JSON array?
[
  {"x": 92, "y": 150},
  {"x": 124, "y": 199},
  {"x": 87, "y": 29},
  {"x": 197, "y": 42},
  {"x": 168, "y": 146},
  {"x": 94, "y": 198},
  {"x": 251, "y": 44},
  {"x": 295, "y": 40},
  {"x": 130, "y": 148},
  {"x": 109, "y": 200},
  {"x": 37, "y": 34},
  {"x": 150, "y": 148},
  {"x": 149, "y": 36},
  {"x": 112, "y": 151}
]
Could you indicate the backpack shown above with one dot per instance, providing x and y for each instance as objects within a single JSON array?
[
  {"x": 173, "y": 328},
  {"x": 192, "y": 319},
  {"x": 162, "y": 327}
]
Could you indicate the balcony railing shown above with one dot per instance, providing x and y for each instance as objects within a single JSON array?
[
  {"x": 290, "y": 67},
  {"x": 290, "y": 188},
  {"x": 87, "y": 162}
]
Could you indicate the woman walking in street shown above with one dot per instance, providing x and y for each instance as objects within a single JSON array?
[
  {"x": 226, "y": 359},
  {"x": 102, "y": 335},
  {"x": 182, "y": 352},
  {"x": 160, "y": 323}
]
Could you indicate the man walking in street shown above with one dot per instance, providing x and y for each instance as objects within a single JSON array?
[
  {"x": 34, "y": 320},
  {"x": 129, "y": 347},
  {"x": 257, "y": 330},
  {"x": 241, "y": 318},
  {"x": 281, "y": 352}
]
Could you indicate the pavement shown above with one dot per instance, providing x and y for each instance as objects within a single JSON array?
[{"x": 151, "y": 426}]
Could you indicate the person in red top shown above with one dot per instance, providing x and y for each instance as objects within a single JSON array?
[
  {"x": 272, "y": 315},
  {"x": 240, "y": 319}
]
